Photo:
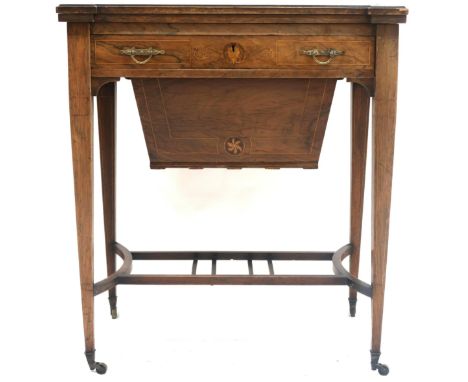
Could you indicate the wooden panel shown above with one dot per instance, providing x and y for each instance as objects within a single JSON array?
[
  {"x": 234, "y": 122},
  {"x": 234, "y": 19},
  {"x": 234, "y": 52},
  {"x": 234, "y": 29},
  {"x": 177, "y": 52},
  {"x": 281, "y": 72},
  {"x": 358, "y": 52}
]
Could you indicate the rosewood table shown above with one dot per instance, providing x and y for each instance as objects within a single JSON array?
[{"x": 233, "y": 87}]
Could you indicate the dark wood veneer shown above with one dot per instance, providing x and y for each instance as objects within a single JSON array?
[{"x": 195, "y": 121}]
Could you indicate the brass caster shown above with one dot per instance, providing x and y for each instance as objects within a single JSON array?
[
  {"x": 375, "y": 365},
  {"x": 383, "y": 369},
  {"x": 99, "y": 367}
]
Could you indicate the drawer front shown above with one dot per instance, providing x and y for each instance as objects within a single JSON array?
[
  {"x": 317, "y": 51},
  {"x": 234, "y": 52},
  {"x": 165, "y": 52}
]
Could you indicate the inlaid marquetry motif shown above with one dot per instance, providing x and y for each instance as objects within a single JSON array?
[
  {"x": 203, "y": 54},
  {"x": 234, "y": 146},
  {"x": 266, "y": 53},
  {"x": 234, "y": 53}
]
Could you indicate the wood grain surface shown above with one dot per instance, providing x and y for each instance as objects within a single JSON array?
[
  {"x": 232, "y": 14},
  {"x": 274, "y": 121},
  {"x": 360, "y": 103},
  {"x": 383, "y": 139},
  {"x": 199, "y": 52},
  {"x": 81, "y": 122}
]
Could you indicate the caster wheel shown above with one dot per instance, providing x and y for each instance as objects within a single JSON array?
[
  {"x": 383, "y": 369},
  {"x": 101, "y": 368}
]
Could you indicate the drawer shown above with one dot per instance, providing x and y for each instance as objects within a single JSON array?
[
  {"x": 248, "y": 122},
  {"x": 234, "y": 52},
  {"x": 154, "y": 52},
  {"x": 326, "y": 52}
]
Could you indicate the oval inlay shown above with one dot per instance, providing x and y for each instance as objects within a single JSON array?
[{"x": 234, "y": 53}]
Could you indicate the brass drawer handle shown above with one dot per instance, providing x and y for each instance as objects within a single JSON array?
[
  {"x": 150, "y": 52},
  {"x": 330, "y": 53}
]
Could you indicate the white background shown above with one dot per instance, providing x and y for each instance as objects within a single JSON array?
[{"x": 223, "y": 333}]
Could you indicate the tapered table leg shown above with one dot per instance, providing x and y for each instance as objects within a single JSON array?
[
  {"x": 81, "y": 121},
  {"x": 106, "y": 104},
  {"x": 360, "y": 101},
  {"x": 383, "y": 137}
]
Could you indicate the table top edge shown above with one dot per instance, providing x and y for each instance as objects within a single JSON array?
[{"x": 94, "y": 9}]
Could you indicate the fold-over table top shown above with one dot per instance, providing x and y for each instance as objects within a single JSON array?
[{"x": 109, "y": 13}]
